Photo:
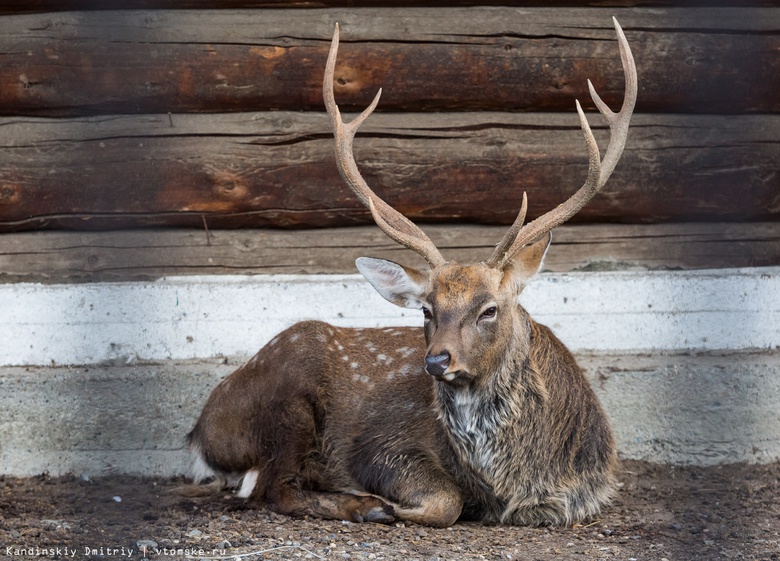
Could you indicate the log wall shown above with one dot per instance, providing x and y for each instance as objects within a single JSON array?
[
  {"x": 426, "y": 59},
  {"x": 142, "y": 255},
  {"x": 184, "y": 117},
  {"x": 276, "y": 169}
]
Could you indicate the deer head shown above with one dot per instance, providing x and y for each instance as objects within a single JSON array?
[{"x": 471, "y": 311}]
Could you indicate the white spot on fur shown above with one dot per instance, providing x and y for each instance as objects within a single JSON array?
[
  {"x": 345, "y": 358},
  {"x": 248, "y": 483},
  {"x": 200, "y": 469},
  {"x": 354, "y": 364},
  {"x": 295, "y": 337},
  {"x": 381, "y": 358}
]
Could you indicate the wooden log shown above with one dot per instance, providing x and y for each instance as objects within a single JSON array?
[
  {"x": 149, "y": 254},
  {"x": 33, "y": 6},
  {"x": 278, "y": 169},
  {"x": 510, "y": 59}
]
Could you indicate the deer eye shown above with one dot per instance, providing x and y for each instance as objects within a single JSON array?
[
  {"x": 427, "y": 313},
  {"x": 488, "y": 313}
]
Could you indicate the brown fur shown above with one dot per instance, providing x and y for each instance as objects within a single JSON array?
[
  {"x": 346, "y": 423},
  {"x": 487, "y": 416}
]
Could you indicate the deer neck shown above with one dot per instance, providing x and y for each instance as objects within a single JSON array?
[{"x": 478, "y": 417}]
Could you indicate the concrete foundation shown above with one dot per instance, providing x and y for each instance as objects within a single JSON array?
[
  {"x": 701, "y": 409},
  {"x": 685, "y": 363}
]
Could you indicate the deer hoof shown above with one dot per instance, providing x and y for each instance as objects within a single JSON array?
[{"x": 374, "y": 511}]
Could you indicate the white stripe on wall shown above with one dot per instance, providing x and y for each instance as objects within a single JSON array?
[{"x": 208, "y": 316}]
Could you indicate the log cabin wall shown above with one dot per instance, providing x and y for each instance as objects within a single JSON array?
[
  {"x": 187, "y": 137},
  {"x": 208, "y": 115}
]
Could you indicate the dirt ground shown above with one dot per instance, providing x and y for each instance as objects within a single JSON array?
[{"x": 662, "y": 512}]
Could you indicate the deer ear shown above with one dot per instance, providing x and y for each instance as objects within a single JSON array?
[
  {"x": 526, "y": 262},
  {"x": 403, "y": 286}
]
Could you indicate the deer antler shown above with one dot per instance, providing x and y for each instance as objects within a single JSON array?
[
  {"x": 392, "y": 222},
  {"x": 598, "y": 170}
]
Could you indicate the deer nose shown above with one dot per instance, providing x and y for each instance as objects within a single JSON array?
[{"x": 436, "y": 365}]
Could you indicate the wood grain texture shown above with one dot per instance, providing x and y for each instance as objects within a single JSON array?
[
  {"x": 709, "y": 60},
  {"x": 32, "y": 6},
  {"x": 278, "y": 170},
  {"x": 149, "y": 254}
]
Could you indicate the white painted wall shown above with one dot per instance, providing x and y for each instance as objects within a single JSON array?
[
  {"x": 631, "y": 332},
  {"x": 201, "y": 317}
]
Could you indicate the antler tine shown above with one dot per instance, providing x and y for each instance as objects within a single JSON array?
[
  {"x": 598, "y": 170},
  {"x": 392, "y": 222},
  {"x": 503, "y": 247}
]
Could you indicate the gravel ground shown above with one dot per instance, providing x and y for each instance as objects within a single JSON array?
[{"x": 662, "y": 512}]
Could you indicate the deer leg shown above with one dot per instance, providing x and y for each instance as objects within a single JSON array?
[
  {"x": 293, "y": 478},
  {"x": 432, "y": 508},
  {"x": 287, "y": 496},
  {"x": 438, "y": 504},
  {"x": 412, "y": 480}
]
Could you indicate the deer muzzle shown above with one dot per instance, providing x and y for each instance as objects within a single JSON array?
[{"x": 437, "y": 364}]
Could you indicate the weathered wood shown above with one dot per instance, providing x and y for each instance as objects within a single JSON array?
[
  {"x": 31, "y": 6},
  {"x": 149, "y": 254},
  {"x": 536, "y": 59},
  {"x": 278, "y": 170}
]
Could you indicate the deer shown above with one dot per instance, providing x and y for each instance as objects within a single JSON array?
[{"x": 482, "y": 414}]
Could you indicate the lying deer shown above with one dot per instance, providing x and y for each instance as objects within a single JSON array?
[{"x": 486, "y": 417}]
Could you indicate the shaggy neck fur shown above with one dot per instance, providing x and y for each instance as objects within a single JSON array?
[{"x": 483, "y": 420}]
